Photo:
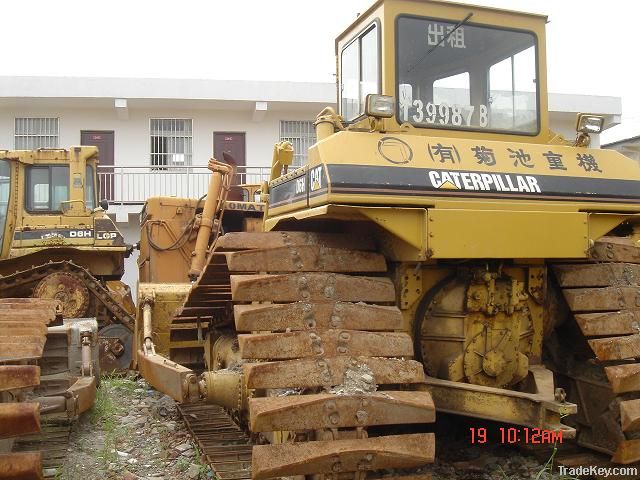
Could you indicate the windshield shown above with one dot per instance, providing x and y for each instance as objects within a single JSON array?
[
  {"x": 47, "y": 187},
  {"x": 89, "y": 188},
  {"x": 5, "y": 190},
  {"x": 466, "y": 78}
]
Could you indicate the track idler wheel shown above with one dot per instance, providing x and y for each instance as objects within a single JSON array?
[
  {"x": 116, "y": 348},
  {"x": 69, "y": 290}
]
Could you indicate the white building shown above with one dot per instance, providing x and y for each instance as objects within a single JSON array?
[
  {"x": 157, "y": 135},
  {"x": 627, "y": 146}
]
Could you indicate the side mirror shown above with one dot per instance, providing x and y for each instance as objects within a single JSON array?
[{"x": 104, "y": 204}]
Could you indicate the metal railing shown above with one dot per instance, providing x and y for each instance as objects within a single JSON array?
[{"x": 134, "y": 184}]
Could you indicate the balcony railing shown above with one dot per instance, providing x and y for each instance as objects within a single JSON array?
[{"x": 133, "y": 184}]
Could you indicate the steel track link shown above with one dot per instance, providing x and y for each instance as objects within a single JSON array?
[
  {"x": 225, "y": 446},
  {"x": 34, "y": 274}
]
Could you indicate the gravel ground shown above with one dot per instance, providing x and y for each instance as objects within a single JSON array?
[{"x": 133, "y": 432}]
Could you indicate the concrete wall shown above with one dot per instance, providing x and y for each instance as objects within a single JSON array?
[{"x": 132, "y": 136}]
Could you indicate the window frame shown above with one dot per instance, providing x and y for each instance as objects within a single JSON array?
[
  {"x": 536, "y": 44},
  {"x": 35, "y": 135},
  {"x": 374, "y": 24},
  {"x": 185, "y": 164},
  {"x": 9, "y": 197},
  {"x": 311, "y": 140},
  {"x": 90, "y": 176},
  {"x": 29, "y": 194}
]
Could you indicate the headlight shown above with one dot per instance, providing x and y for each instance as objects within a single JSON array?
[
  {"x": 380, "y": 106},
  {"x": 589, "y": 123}
]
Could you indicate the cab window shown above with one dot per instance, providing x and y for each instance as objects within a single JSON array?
[
  {"x": 359, "y": 72},
  {"x": 47, "y": 187},
  {"x": 89, "y": 188},
  {"x": 5, "y": 190}
]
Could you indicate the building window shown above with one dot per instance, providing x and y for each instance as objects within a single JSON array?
[
  {"x": 301, "y": 134},
  {"x": 171, "y": 141},
  {"x": 32, "y": 133}
]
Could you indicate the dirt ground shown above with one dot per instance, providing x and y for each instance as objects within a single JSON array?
[{"x": 135, "y": 432}]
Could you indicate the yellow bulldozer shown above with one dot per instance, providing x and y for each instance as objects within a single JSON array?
[
  {"x": 443, "y": 250},
  {"x": 58, "y": 243}
]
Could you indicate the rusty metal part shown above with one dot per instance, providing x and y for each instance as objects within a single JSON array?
[
  {"x": 30, "y": 277},
  {"x": 226, "y": 388},
  {"x": 309, "y": 316},
  {"x": 18, "y": 376},
  {"x": 308, "y": 373},
  {"x": 224, "y": 446},
  {"x": 305, "y": 258},
  {"x": 250, "y": 240},
  {"x": 311, "y": 287},
  {"x": 116, "y": 348},
  {"x": 19, "y": 419},
  {"x": 178, "y": 382},
  {"x": 21, "y": 466},
  {"x": 68, "y": 289},
  {"x": 313, "y": 412},
  {"x": 603, "y": 300},
  {"x": 288, "y": 345},
  {"x": 333, "y": 457},
  {"x": 537, "y": 410}
]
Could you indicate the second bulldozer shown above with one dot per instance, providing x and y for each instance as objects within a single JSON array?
[{"x": 441, "y": 247}]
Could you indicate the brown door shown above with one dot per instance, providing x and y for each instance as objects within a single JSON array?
[
  {"x": 104, "y": 141},
  {"x": 229, "y": 147}
]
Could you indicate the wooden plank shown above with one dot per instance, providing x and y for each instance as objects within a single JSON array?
[
  {"x": 624, "y": 378},
  {"x": 308, "y": 373},
  {"x": 289, "y": 345},
  {"x": 628, "y": 451},
  {"x": 326, "y": 410},
  {"x": 616, "y": 249},
  {"x": 321, "y": 316},
  {"x": 251, "y": 240},
  {"x": 616, "y": 348},
  {"x": 314, "y": 287},
  {"x": 18, "y": 376},
  {"x": 624, "y": 322},
  {"x": 630, "y": 415},
  {"x": 305, "y": 258},
  {"x": 353, "y": 455},
  {"x": 597, "y": 274},
  {"x": 602, "y": 299}
]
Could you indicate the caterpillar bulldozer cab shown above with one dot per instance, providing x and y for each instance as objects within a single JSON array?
[
  {"x": 442, "y": 248},
  {"x": 58, "y": 243}
]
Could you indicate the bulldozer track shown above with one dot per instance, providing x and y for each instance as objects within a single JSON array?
[
  {"x": 321, "y": 343},
  {"x": 34, "y": 274},
  {"x": 225, "y": 446},
  {"x": 599, "y": 345}
]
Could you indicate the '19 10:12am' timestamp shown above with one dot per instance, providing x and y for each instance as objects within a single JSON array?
[{"x": 522, "y": 435}]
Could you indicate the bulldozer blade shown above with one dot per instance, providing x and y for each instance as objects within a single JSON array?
[
  {"x": 624, "y": 378},
  {"x": 610, "y": 323},
  {"x": 616, "y": 348},
  {"x": 289, "y": 345},
  {"x": 337, "y": 456},
  {"x": 250, "y": 240},
  {"x": 305, "y": 258},
  {"x": 323, "y": 372},
  {"x": 311, "y": 287},
  {"x": 597, "y": 275},
  {"x": 326, "y": 410},
  {"x": 616, "y": 249},
  {"x": 602, "y": 299},
  {"x": 21, "y": 466},
  {"x": 628, "y": 451},
  {"x": 18, "y": 376},
  {"x": 630, "y": 415},
  {"x": 320, "y": 316},
  {"x": 19, "y": 419}
]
